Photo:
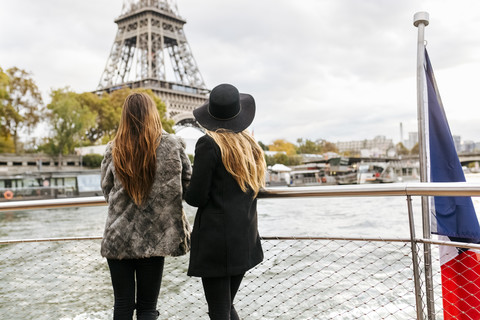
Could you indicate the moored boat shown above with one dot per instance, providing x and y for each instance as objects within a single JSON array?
[{"x": 50, "y": 185}]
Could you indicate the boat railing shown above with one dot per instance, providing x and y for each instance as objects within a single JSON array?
[{"x": 300, "y": 278}]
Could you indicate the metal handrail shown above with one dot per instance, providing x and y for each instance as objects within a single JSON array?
[
  {"x": 52, "y": 203},
  {"x": 302, "y": 238},
  {"x": 329, "y": 238},
  {"x": 372, "y": 190},
  {"x": 15, "y": 241}
]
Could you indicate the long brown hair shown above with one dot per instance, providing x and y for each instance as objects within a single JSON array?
[
  {"x": 242, "y": 157},
  {"x": 135, "y": 144}
]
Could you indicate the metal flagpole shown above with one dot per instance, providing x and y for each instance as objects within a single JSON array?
[{"x": 421, "y": 20}]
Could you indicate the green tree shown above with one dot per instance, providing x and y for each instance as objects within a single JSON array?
[
  {"x": 282, "y": 158},
  {"x": 308, "y": 147},
  {"x": 108, "y": 108},
  {"x": 191, "y": 157},
  {"x": 263, "y": 146},
  {"x": 315, "y": 147},
  {"x": 105, "y": 116},
  {"x": 167, "y": 124},
  {"x": 110, "y": 113},
  {"x": 70, "y": 120},
  {"x": 269, "y": 160},
  {"x": 92, "y": 160},
  {"x": 22, "y": 104}
]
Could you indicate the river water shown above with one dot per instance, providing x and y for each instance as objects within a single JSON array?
[{"x": 29, "y": 278}]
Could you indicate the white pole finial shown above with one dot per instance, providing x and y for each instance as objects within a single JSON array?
[{"x": 421, "y": 17}]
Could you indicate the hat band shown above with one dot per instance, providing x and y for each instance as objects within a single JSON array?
[{"x": 224, "y": 119}]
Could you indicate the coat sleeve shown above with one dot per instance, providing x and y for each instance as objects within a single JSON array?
[
  {"x": 106, "y": 172},
  {"x": 203, "y": 167}
]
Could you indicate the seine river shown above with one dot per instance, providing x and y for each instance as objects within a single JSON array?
[{"x": 33, "y": 280}]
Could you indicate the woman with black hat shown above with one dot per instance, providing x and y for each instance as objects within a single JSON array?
[{"x": 229, "y": 170}]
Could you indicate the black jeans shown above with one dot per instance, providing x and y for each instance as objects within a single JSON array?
[
  {"x": 220, "y": 293},
  {"x": 148, "y": 273}
]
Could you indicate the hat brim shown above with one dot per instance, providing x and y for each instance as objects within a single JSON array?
[{"x": 236, "y": 124}]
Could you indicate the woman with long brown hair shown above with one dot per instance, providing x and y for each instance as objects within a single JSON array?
[
  {"x": 228, "y": 171},
  {"x": 144, "y": 174}
]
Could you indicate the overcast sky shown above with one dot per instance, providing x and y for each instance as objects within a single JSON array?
[{"x": 318, "y": 69}]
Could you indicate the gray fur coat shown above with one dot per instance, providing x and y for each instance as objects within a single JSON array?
[{"x": 158, "y": 227}]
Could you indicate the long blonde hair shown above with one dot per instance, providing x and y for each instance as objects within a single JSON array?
[
  {"x": 242, "y": 157},
  {"x": 135, "y": 144}
]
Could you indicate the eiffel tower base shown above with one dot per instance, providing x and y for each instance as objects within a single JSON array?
[{"x": 179, "y": 99}]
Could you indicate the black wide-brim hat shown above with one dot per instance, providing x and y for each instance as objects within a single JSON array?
[{"x": 226, "y": 109}]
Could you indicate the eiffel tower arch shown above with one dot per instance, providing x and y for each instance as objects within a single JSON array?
[{"x": 149, "y": 33}]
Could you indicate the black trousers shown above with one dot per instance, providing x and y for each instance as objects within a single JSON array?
[
  {"x": 220, "y": 293},
  {"x": 148, "y": 275}
]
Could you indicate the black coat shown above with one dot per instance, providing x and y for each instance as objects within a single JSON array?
[{"x": 225, "y": 239}]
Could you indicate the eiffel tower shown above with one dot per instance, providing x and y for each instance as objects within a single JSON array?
[{"x": 148, "y": 31}]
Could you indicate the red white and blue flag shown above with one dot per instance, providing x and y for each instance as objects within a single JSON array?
[{"x": 452, "y": 217}]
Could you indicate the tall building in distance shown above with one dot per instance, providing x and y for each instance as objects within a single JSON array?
[
  {"x": 412, "y": 140},
  {"x": 401, "y": 134},
  {"x": 379, "y": 146},
  {"x": 457, "y": 140}
]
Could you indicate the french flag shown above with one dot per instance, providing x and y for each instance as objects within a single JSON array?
[{"x": 453, "y": 218}]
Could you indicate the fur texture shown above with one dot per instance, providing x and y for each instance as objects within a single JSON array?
[{"x": 158, "y": 227}]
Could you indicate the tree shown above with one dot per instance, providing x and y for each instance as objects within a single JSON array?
[
  {"x": 22, "y": 105},
  {"x": 106, "y": 117},
  {"x": 70, "y": 120},
  {"x": 283, "y": 145},
  {"x": 4, "y": 83},
  {"x": 263, "y": 146},
  {"x": 110, "y": 113},
  {"x": 167, "y": 124},
  {"x": 6, "y": 144},
  {"x": 415, "y": 150},
  {"x": 92, "y": 160},
  {"x": 282, "y": 158},
  {"x": 401, "y": 149},
  {"x": 308, "y": 147},
  {"x": 315, "y": 147},
  {"x": 328, "y": 146},
  {"x": 108, "y": 108}
]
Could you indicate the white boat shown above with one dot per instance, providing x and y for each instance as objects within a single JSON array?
[
  {"x": 50, "y": 185},
  {"x": 376, "y": 172},
  {"x": 312, "y": 174}
]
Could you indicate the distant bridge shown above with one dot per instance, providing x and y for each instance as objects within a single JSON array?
[
  {"x": 465, "y": 159},
  {"x": 468, "y": 158}
]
